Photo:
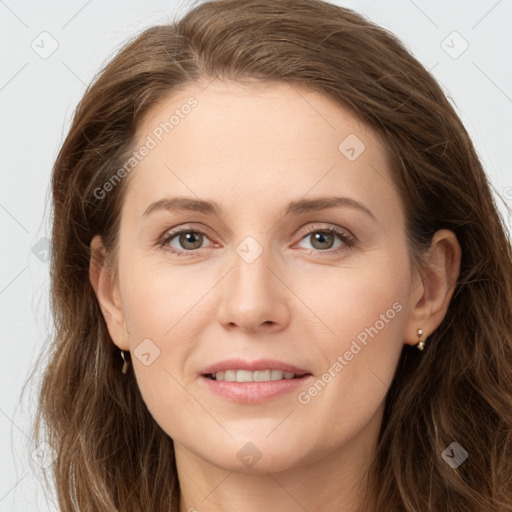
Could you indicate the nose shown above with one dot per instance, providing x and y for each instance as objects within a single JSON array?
[{"x": 254, "y": 297}]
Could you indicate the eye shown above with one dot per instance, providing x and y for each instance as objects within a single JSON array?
[
  {"x": 323, "y": 238},
  {"x": 189, "y": 239}
]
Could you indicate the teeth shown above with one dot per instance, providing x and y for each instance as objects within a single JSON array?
[
  {"x": 261, "y": 376},
  {"x": 248, "y": 376}
]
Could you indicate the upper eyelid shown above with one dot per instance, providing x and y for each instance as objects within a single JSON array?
[
  {"x": 307, "y": 227},
  {"x": 316, "y": 226},
  {"x": 180, "y": 229}
]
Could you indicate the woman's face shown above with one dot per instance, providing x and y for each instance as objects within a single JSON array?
[{"x": 259, "y": 283}]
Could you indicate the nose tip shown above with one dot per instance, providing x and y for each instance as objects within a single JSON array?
[
  {"x": 251, "y": 297},
  {"x": 255, "y": 326}
]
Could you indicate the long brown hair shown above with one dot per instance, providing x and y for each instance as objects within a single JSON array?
[{"x": 111, "y": 454}]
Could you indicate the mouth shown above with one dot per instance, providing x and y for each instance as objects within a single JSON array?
[
  {"x": 252, "y": 382},
  {"x": 241, "y": 375}
]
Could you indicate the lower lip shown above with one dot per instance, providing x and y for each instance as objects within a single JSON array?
[{"x": 255, "y": 392}]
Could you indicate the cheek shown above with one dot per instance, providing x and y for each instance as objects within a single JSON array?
[
  {"x": 363, "y": 314},
  {"x": 161, "y": 311},
  {"x": 366, "y": 316},
  {"x": 350, "y": 299},
  {"x": 155, "y": 294}
]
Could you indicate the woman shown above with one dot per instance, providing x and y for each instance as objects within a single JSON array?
[{"x": 338, "y": 335}]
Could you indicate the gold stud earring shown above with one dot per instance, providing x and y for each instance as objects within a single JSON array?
[
  {"x": 421, "y": 343},
  {"x": 125, "y": 362}
]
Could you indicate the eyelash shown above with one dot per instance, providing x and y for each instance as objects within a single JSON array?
[{"x": 348, "y": 240}]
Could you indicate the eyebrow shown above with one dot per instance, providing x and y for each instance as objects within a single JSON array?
[{"x": 295, "y": 207}]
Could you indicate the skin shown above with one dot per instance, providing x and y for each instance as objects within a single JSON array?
[{"x": 253, "y": 150}]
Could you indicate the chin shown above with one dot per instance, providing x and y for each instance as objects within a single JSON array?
[
  {"x": 262, "y": 466},
  {"x": 247, "y": 457}
]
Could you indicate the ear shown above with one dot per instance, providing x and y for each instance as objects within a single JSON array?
[
  {"x": 433, "y": 289},
  {"x": 107, "y": 292}
]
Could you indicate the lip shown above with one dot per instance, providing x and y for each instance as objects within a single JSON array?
[
  {"x": 254, "y": 392},
  {"x": 253, "y": 366}
]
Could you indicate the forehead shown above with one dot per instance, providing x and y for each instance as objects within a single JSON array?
[
  {"x": 255, "y": 140},
  {"x": 249, "y": 111}
]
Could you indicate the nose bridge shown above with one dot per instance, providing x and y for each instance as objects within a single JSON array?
[
  {"x": 252, "y": 295},
  {"x": 251, "y": 279}
]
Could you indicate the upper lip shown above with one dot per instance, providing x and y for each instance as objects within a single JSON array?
[{"x": 260, "y": 364}]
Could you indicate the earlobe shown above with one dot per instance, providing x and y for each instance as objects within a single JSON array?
[
  {"x": 107, "y": 294},
  {"x": 438, "y": 282}
]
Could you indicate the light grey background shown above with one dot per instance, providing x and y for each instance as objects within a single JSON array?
[{"x": 38, "y": 93}]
